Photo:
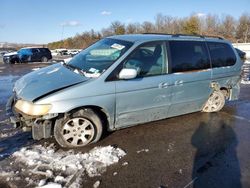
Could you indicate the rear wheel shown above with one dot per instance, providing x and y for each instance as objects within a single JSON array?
[
  {"x": 215, "y": 102},
  {"x": 78, "y": 129},
  {"x": 44, "y": 59}
]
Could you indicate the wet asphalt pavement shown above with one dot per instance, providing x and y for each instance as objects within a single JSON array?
[{"x": 197, "y": 150}]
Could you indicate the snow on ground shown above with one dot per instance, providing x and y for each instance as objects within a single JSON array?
[
  {"x": 245, "y": 82},
  {"x": 96, "y": 184},
  {"x": 58, "y": 168},
  {"x": 9, "y": 134},
  {"x": 34, "y": 69},
  {"x": 6, "y": 132},
  {"x": 142, "y": 150},
  {"x": 247, "y": 62},
  {"x": 245, "y": 77}
]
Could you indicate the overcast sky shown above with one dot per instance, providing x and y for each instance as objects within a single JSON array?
[{"x": 32, "y": 21}]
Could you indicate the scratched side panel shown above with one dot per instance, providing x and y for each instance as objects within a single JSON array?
[{"x": 142, "y": 100}]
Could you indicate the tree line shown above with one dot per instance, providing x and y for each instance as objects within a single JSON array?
[{"x": 235, "y": 30}]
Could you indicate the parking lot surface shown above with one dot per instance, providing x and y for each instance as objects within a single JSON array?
[{"x": 200, "y": 150}]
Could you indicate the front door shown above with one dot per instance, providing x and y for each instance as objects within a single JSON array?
[{"x": 146, "y": 97}]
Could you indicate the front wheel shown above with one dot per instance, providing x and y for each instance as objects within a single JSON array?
[
  {"x": 215, "y": 102},
  {"x": 78, "y": 129}
]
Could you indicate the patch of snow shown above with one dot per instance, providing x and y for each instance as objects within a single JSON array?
[
  {"x": 170, "y": 147},
  {"x": 247, "y": 62},
  {"x": 5, "y": 135},
  {"x": 41, "y": 182},
  {"x": 245, "y": 82},
  {"x": 52, "y": 185},
  {"x": 17, "y": 178},
  {"x": 34, "y": 69},
  {"x": 96, "y": 184},
  {"x": 7, "y": 174},
  {"x": 115, "y": 173},
  {"x": 4, "y": 121},
  {"x": 66, "y": 167},
  {"x": 180, "y": 171},
  {"x": 125, "y": 163},
  {"x": 59, "y": 179},
  {"x": 142, "y": 150}
]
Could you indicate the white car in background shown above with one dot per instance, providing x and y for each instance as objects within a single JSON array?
[
  {"x": 60, "y": 51},
  {"x": 73, "y": 52}
]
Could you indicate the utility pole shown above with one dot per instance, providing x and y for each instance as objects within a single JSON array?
[
  {"x": 246, "y": 34},
  {"x": 62, "y": 32}
]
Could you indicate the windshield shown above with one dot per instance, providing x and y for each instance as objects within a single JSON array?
[{"x": 97, "y": 58}]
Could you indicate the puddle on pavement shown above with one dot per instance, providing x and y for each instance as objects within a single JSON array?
[{"x": 13, "y": 143}]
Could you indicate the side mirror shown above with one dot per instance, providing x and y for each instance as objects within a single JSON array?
[{"x": 127, "y": 74}]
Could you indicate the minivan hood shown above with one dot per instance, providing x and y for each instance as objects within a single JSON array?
[
  {"x": 10, "y": 54},
  {"x": 45, "y": 81}
]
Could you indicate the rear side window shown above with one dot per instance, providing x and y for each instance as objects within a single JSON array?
[
  {"x": 45, "y": 50},
  {"x": 221, "y": 54},
  {"x": 188, "y": 56},
  {"x": 34, "y": 50}
]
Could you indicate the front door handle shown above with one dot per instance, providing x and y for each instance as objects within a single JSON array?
[
  {"x": 163, "y": 85},
  {"x": 178, "y": 82}
]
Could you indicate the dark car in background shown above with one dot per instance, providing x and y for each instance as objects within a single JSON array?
[
  {"x": 25, "y": 55},
  {"x": 241, "y": 54}
]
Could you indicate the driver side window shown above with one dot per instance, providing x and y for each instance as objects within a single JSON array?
[{"x": 149, "y": 59}]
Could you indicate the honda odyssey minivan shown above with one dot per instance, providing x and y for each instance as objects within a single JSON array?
[{"x": 126, "y": 80}]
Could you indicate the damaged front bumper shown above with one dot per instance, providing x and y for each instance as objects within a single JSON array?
[{"x": 41, "y": 125}]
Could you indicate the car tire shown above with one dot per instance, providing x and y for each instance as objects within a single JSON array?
[
  {"x": 215, "y": 102},
  {"x": 44, "y": 59},
  {"x": 78, "y": 129}
]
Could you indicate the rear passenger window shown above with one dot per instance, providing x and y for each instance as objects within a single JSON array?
[
  {"x": 188, "y": 56},
  {"x": 34, "y": 50},
  {"x": 221, "y": 54}
]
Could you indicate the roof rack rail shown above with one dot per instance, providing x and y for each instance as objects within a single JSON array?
[
  {"x": 158, "y": 33},
  {"x": 201, "y": 36},
  {"x": 213, "y": 36},
  {"x": 187, "y": 35}
]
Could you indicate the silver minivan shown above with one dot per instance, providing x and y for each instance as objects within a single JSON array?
[{"x": 126, "y": 80}]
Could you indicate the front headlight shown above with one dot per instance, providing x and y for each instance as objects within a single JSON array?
[{"x": 32, "y": 109}]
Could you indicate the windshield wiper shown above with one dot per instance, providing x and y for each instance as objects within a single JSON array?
[
  {"x": 73, "y": 68},
  {"x": 68, "y": 66}
]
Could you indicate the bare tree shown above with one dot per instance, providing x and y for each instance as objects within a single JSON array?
[
  {"x": 211, "y": 25},
  {"x": 243, "y": 28},
  {"x": 133, "y": 28},
  {"x": 148, "y": 27},
  {"x": 227, "y": 28},
  {"x": 191, "y": 25},
  {"x": 117, "y": 28}
]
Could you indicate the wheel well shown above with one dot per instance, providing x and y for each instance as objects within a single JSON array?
[
  {"x": 99, "y": 111},
  {"x": 225, "y": 92}
]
